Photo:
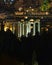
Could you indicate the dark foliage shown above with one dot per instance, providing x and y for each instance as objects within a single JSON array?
[{"x": 23, "y": 49}]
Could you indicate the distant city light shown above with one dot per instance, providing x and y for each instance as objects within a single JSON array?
[
  {"x": 31, "y": 19},
  {"x": 32, "y": 9},
  {"x": 22, "y": 19},
  {"x": 47, "y": 13},
  {"x": 26, "y": 17},
  {"x": 27, "y": 10},
  {"x": 20, "y": 9}
]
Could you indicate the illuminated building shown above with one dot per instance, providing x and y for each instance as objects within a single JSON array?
[
  {"x": 22, "y": 27},
  {"x": 26, "y": 18}
]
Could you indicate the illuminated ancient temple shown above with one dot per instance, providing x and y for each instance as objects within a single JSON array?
[{"x": 25, "y": 18}]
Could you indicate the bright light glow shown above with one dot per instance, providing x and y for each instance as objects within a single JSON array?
[
  {"x": 18, "y": 13},
  {"x": 27, "y": 10},
  {"x": 5, "y": 28},
  {"x": 11, "y": 28},
  {"x": 20, "y": 9},
  {"x": 22, "y": 19},
  {"x": 46, "y": 29},
  {"x": 26, "y": 17},
  {"x": 32, "y": 9},
  {"x": 47, "y": 13},
  {"x": 31, "y": 19}
]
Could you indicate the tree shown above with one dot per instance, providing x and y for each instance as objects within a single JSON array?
[{"x": 45, "y": 6}]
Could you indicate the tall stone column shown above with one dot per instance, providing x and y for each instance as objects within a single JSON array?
[
  {"x": 19, "y": 29},
  {"x": 34, "y": 31},
  {"x": 23, "y": 28},
  {"x": 39, "y": 27},
  {"x": 29, "y": 27},
  {"x": 13, "y": 28},
  {"x": 26, "y": 29}
]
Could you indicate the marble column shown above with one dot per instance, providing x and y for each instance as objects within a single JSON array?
[
  {"x": 34, "y": 29},
  {"x": 19, "y": 29},
  {"x": 13, "y": 28},
  {"x": 39, "y": 27},
  {"x": 29, "y": 27},
  {"x": 23, "y": 28},
  {"x": 26, "y": 29}
]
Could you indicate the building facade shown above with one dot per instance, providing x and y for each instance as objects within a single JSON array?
[{"x": 28, "y": 21}]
